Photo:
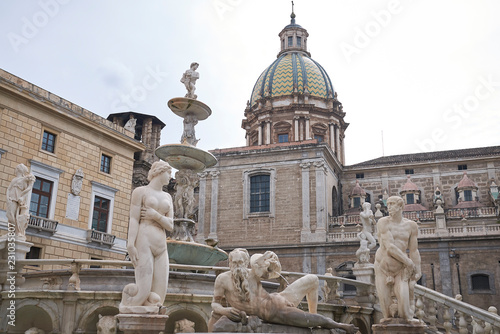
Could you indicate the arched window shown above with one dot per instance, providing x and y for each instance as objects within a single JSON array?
[
  {"x": 481, "y": 282},
  {"x": 259, "y": 192}
]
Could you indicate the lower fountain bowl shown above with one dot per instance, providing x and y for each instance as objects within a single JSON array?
[{"x": 184, "y": 252}]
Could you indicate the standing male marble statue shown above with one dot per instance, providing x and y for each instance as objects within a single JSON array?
[
  {"x": 396, "y": 273},
  {"x": 189, "y": 80},
  {"x": 17, "y": 200},
  {"x": 243, "y": 290}
]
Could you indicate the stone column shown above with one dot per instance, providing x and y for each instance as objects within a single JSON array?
[
  {"x": 213, "y": 205},
  {"x": 332, "y": 136},
  {"x": 296, "y": 128},
  {"x": 200, "y": 237},
  {"x": 445, "y": 268},
  {"x": 248, "y": 138},
  {"x": 337, "y": 141},
  {"x": 441, "y": 229},
  {"x": 259, "y": 130},
  {"x": 268, "y": 132},
  {"x": 308, "y": 134},
  {"x": 306, "y": 219},
  {"x": 321, "y": 209}
]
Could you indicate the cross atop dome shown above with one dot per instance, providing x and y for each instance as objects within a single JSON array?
[{"x": 293, "y": 37}]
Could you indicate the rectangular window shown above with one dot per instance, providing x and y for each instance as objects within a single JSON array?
[
  {"x": 320, "y": 138},
  {"x": 462, "y": 167},
  {"x": 283, "y": 138},
  {"x": 409, "y": 171},
  {"x": 468, "y": 195},
  {"x": 290, "y": 41},
  {"x": 356, "y": 202},
  {"x": 40, "y": 198},
  {"x": 299, "y": 41},
  {"x": 360, "y": 175},
  {"x": 410, "y": 198},
  {"x": 100, "y": 214},
  {"x": 95, "y": 266},
  {"x": 48, "y": 142},
  {"x": 480, "y": 282},
  {"x": 105, "y": 164},
  {"x": 259, "y": 193},
  {"x": 35, "y": 253}
]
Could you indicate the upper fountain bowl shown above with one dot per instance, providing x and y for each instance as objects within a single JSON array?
[{"x": 181, "y": 106}]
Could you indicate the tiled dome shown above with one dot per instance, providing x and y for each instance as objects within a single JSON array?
[{"x": 289, "y": 70}]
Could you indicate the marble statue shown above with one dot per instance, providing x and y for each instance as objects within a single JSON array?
[
  {"x": 131, "y": 123},
  {"x": 184, "y": 202},
  {"x": 151, "y": 213},
  {"x": 330, "y": 288},
  {"x": 396, "y": 273},
  {"x": 17, "y": 200},
  {"x": 363, "y": 252},
  {"x": 368, "y": 220},
  {"x": 243, "y": 291},
  {"x": 106, "y": 324},
  {"x": 77, "y": 182},
  {"x": 34, "y": 330},
  {"x": 189, "y": 80},
  {"x": 189, "y": 134}
]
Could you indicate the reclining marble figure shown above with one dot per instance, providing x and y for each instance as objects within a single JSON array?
[{"x": 242, "y": 289}]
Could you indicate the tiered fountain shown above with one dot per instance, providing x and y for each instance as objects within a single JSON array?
[{"x": 189, "y": 161}]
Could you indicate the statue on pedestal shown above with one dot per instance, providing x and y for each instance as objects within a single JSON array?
[
  {"x": 242, "y": 289},
  {"x": 17, "y": 200},
  {"x": 189, "y": 80},
  {"x": 151, "y": 213},
  {"x": 396, "y": 273}
]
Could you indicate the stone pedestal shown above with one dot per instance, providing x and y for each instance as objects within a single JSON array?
[
  {"x": 399, "y": 326},
  {"x": 365, "y": 273},
  {"x": 9, "y": 247},
  {"x": 141, "y": 323}
]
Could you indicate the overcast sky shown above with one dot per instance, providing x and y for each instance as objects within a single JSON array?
[{"x": 424, "y": 73}]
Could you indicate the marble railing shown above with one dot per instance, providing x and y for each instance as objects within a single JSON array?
[
  {"x": 487, "y": 211},
  {"x": 43, "y": 224},
  {"x": 419, "y": 215},
  {"x": 100, "y": 237},
  {"x": 425, "y": 232},
  {"x": 454, "y": 314}
]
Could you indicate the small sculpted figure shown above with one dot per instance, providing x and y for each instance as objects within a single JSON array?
[
  {"x": 189, "y": 134},
  {"x": 396, "y": 273},
  {"x": 363, "y": 253},
  {"x": 189, "y": 80},
  {"x": 131, "y": 123},
  {"x": 106, "y": 324},
  {"x": 330, "y": 289},
  {"x": 242, "y": 289},
  {"x": 186, "y": 181},
  {"x": 34, "y": 330},
  {"x": 17, "y": 200},
  {"x": 184, "y": 326},
  {"x": 151, "y": 213},
  {"x": 368, "y": 220},
  {"x": 77, "y": 182}
]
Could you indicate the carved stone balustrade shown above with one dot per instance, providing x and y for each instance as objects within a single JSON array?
[
  {"x": 43, "y": 224},
  {"x": 100, "y": 237}
]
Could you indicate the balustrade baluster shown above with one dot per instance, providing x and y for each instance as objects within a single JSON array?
[
  {"x": 420, "y": 309},
  {"x": 432, "y": 315},
  {"x": 446, "y": 319},
  {"x": 462, "y": 323}
]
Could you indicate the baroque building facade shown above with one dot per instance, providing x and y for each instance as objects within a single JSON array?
[{"x": 290, "y": 191}]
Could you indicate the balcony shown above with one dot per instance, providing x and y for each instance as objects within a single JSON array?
[
  {"x": 100, "y": 237},
  {"x": 43, "y": 224}
]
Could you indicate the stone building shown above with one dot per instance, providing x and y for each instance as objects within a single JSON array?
[
  {"x": 290, "y": 191},
  {"x": 83, "y": 166}
]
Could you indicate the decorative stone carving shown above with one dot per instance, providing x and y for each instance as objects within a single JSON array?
[
  {"x": 184, "y": 326},
  {"x": 189, "y": 134},
  {"x": 242, "y": 289},
  {"x": 189, "y": 80},
  {"x": 184, "y": 202},
  {"x": 131, "y": 123},
  {"x": 151, "y": 213},
  {"x": 34, "y": 330},
  {"x": 77, "y": 182},
  {"x": 367, "y": 220},
  {"x": 106, "y": 324},
  {"x": 396, "y": 273},
  {"x": 18, "y": 202},
  {"x": 331, "y": 289}
]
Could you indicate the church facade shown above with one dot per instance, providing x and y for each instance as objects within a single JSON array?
[{"x": 289, "y": 190}]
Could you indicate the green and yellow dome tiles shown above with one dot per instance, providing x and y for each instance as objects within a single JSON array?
[{"x": 292, "y": 68}]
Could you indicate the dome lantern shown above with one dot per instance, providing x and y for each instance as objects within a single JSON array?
[{"x": 293, "y": 37}]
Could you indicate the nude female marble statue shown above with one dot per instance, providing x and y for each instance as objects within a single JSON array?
[
  {"x": 243, "y": 290},
  {"x": 396, "y": 273},
  {"x": 17, "y": 200},
  {"x": 151, "y": 213}
]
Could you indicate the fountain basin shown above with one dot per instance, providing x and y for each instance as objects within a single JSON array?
[
  {"x": 181, "y": 106},
  {"x": 183, "y": 156},
  {"x": 184, "y": 252}
]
